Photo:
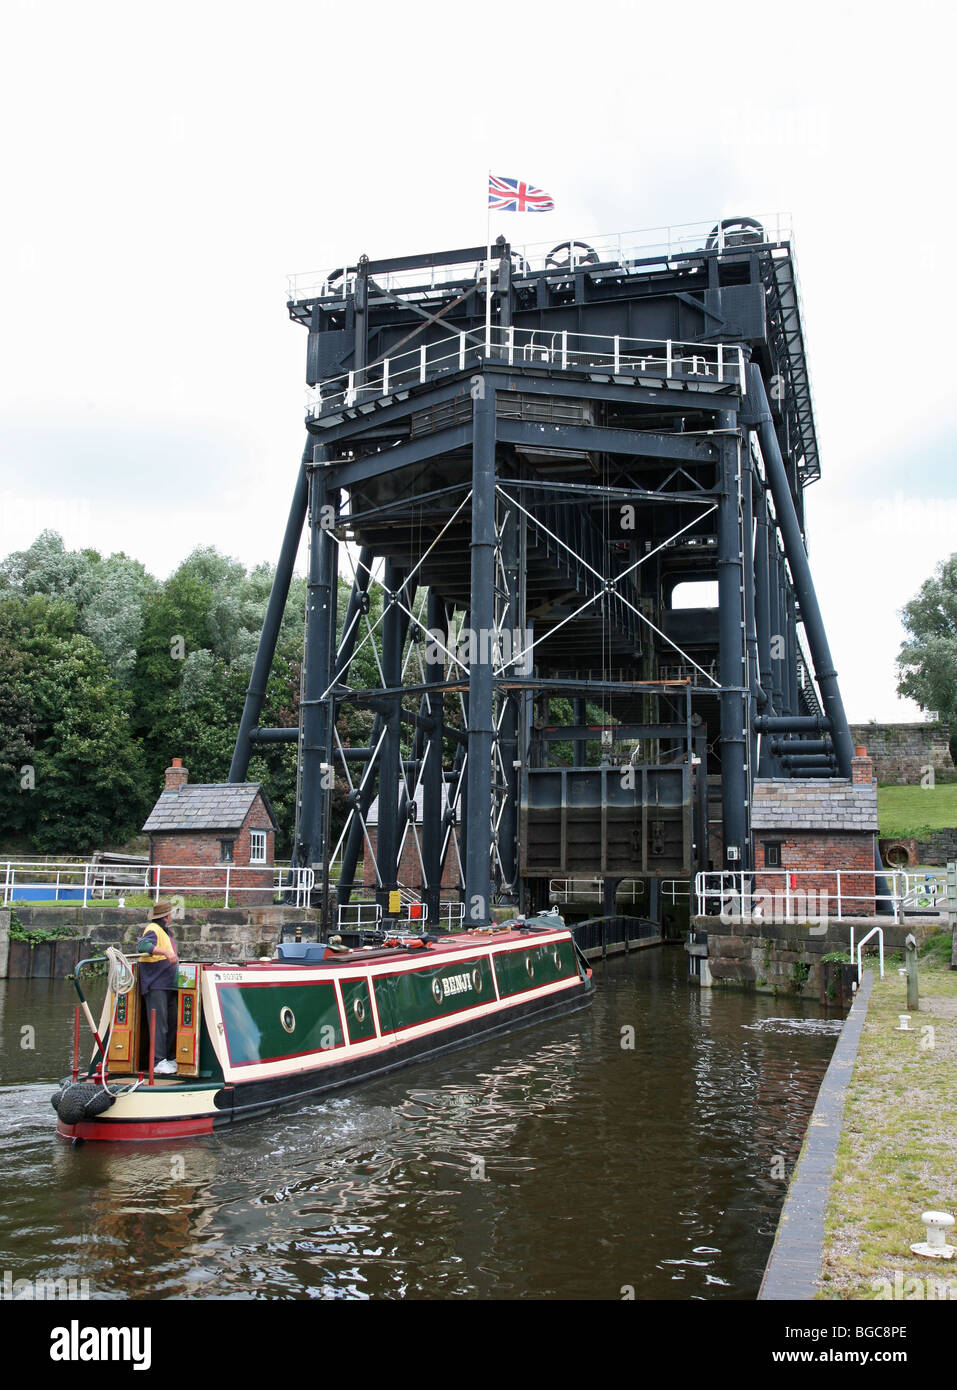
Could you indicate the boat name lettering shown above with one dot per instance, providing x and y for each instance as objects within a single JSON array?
[
  {"x": 229, "y": 976},
  {"x": 456, "y": 984}
]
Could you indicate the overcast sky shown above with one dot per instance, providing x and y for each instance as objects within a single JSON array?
[{"x": 166, "y": 167}]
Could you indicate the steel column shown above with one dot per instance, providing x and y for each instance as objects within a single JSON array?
[
  {"x": 732, "y": 656},
  {"x": 478, "y": 831},
  {"x": 275, "y": 608},
  {"x": 317, "y": 709}
]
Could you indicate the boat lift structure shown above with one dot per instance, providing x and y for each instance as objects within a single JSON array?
[{"x": 530, "y": 487}]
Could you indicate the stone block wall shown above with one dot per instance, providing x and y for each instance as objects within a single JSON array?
[
  {"x": 901, "y": 752},
  {"x": 785, "y": 957}
]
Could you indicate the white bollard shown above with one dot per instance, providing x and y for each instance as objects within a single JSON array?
[
  {"x": 904, "y": 1025},
  {"x": 935, "y": 1247}
]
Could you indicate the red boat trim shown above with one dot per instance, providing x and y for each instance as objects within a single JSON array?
[{"x": 136, "y": 1129}]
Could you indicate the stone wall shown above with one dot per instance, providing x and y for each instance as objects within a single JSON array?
[
  {"x": 203, "y": 934},
  {"x": 901, "y": 752},
  {"x": 786, "y": 957}
]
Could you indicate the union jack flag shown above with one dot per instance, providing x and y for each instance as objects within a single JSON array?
[{"x": 512, "y": 195}]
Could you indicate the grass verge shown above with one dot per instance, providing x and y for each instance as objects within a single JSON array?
[
  {"x": 912, "y": 812},
  {"x": 895, "y": 1158}
]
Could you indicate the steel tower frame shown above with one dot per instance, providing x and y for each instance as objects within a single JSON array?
[{"x": 537, "y": 491}]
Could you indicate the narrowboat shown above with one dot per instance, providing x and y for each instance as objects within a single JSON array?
[{"x": 254, "y": 1035}]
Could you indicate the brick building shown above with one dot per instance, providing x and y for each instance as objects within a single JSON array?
[
  {"x": 202, "y": 833},
  {"x": 824, "y": 824}
]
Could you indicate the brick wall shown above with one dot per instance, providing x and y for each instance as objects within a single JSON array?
[
  {"x": 409, "y": 871},
  {"x": 202, "y": 848},
  {"x": 850, "y": 853}
]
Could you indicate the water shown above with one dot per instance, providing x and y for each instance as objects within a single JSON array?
[{"x": 555, "y": 1164}]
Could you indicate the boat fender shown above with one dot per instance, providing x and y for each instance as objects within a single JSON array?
[{"x": 81, "y": 1100}]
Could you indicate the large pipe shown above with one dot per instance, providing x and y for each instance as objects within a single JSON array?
[
  {"x": 789, "y": 746},
  {"x": 787, "y": 724},
  {"x": 801, "y": 574}
]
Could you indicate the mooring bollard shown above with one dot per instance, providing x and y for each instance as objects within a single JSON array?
[
  {"x": 904, "y": 1025},
  {"x": 935, "y": 1247},
  {"x": 910, "y": 946}
]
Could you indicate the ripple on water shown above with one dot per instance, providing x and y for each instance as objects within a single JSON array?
[{"x": 552, "y": 1163}]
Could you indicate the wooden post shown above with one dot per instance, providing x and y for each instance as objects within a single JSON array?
[{"x": 910, "y": 954}]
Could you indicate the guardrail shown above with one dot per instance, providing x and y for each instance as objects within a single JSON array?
[
  {"x": 614, "y": 250},
  {"x": 566, "y": 890},
  {"x": 630, "y": 358},
  {"x": 817, "y": 894},
  {"x": 89, "y": 881}
]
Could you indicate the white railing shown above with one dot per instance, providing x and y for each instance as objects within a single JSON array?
[
  {"x": 88, "y": 881},
  {"x": 451, "y": 914},
  {"x": 924, "y": 890},
  {"x": 874, "y": 931},
  {"x": 813, "y": 894},
  {"x": 631, "y": 359},
  {"x": 358, "y": 916},
  {"x": 612, "y": 250},
  {"x": 675, "y": 890},
  {"x": 567, "y": 890}
]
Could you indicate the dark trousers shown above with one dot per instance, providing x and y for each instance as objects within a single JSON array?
[{"x": 164, "y": 1002}]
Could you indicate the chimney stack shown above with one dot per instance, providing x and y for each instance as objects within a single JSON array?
[
  {"x": 862, "y": 767},
  {"x": 176, "y": 776}
]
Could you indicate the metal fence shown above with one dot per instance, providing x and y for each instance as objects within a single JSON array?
[
  {"x": 88, "y": 881},
  {"x": 820, "y": 894},
  {"x": 631, "y": 358}
]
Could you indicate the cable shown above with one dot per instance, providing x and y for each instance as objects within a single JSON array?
[{"x": 119, "y": 982}]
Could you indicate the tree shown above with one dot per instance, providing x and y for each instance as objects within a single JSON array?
[
  {"x": 107, "y": 594},
  {"x": 88, "y": 783},
  {"x": 928, "y": 661}
]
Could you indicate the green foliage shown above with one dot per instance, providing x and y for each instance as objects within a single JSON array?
[
  {"x": 928, "y": 660},
  {"x": 800, "y": 971},
  {"x": 35, "y": 936},
  {"x": 87, "y": 769},
  {"x": 936, "y": 950}
]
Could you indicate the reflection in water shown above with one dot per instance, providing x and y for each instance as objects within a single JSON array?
[{"x": 642, "y": 1144}]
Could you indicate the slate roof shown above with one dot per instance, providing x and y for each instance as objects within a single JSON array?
[
  {"x": 206, "y": 806},
  {"x": 814, "y": 803}
]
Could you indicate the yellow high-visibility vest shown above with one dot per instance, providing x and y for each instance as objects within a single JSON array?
[{"x": 162, "y": 941}]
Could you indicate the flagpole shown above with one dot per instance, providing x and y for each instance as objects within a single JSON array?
[{"x": 488, "y": 271}]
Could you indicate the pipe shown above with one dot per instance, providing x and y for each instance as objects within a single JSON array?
[
  {"x": 801, "y": 574},
  {"x": 800, "y": 745},
  {"x": 787, "y": 724}
]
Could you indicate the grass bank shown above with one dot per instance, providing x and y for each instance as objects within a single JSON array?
[
  {"x": 896, "y": 1158},
  {"x": 912, "y": 812}
]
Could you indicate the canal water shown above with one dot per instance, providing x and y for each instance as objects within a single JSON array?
[{"x": 640, "y": 1148}]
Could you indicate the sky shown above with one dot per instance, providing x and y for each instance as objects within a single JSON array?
[{"x": 166, "y": 167}]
